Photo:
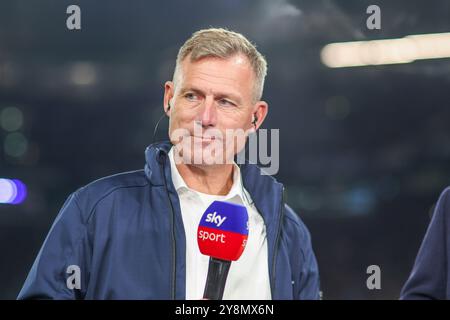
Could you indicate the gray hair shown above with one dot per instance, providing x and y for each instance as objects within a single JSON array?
[{"x": 222, "y": 43}]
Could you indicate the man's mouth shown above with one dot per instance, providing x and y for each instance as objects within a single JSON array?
[{"x": 205, "y": 139}]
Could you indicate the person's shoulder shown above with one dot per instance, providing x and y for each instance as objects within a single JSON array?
[
  {"x": 442, "y": 207},
  {"x": 292, "y": 216},
  {"x": 294, "y": 224},
  {"x": 91, "y": 194},
  {"x": 296, "y": 234},
  {"x": 110, "y": 183},
  {"x": 445, "y": 195}
]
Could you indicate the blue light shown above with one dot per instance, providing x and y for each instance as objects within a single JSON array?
[{"x": 12, "y": 191}]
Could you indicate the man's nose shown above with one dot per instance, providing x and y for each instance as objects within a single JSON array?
[{"x": 209, "y": 113}]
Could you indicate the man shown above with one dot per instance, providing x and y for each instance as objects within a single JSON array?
[
  {"x": 429, "y": 278},
  {"x": 133, "y": 235}
]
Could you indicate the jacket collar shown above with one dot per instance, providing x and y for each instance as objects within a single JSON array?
[{"x": 155, "y": 155}]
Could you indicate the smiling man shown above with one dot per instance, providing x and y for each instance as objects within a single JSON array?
[{"x": 134, "y": 235}]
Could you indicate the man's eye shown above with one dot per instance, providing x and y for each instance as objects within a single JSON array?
[
  {"x": 225, "y": 102},
  {"x": 190, "y": 96}
]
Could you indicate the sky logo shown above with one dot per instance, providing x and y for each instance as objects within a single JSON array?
[{"x": 215, "y": 219}]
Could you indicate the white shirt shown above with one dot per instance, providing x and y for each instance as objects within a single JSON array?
[{"x": 248, "y": 277}]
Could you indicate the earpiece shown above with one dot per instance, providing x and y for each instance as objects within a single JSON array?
[{"x": 255, "y": 119}]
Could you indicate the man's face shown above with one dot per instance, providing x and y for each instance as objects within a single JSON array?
[{"x": 212, "y": 109}]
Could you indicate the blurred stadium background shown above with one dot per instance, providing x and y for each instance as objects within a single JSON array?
[{"x": 364, "y": 151}]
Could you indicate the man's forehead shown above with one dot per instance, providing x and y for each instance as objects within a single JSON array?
[
  {"x": 235, "y": 63},
  {"x": 233, "y": 71}
]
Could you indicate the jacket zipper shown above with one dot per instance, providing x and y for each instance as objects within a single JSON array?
[
  {"x": 172, "y": 223},
  {"x": 275, "y": 251}
]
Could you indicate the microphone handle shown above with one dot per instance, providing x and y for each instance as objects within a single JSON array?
[{"x": 217, "y": 276}]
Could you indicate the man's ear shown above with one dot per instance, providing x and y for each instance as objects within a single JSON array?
[
  {"x": 260, "y": 110},
  {"x": 169, "y": 91}
]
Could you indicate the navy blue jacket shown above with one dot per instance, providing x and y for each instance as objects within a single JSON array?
[
  {"x": 125, "y": 232},
  {"x": 429, "y": 278}
]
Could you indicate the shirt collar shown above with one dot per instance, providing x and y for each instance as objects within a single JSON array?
[
  {"x": 237, "y": 189},
  {"x": 177, "y": 179}
]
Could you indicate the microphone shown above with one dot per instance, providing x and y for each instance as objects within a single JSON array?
[{"x": 222, "y": 235}]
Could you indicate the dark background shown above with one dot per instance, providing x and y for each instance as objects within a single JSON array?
[{"x": 364, "y": 151}]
